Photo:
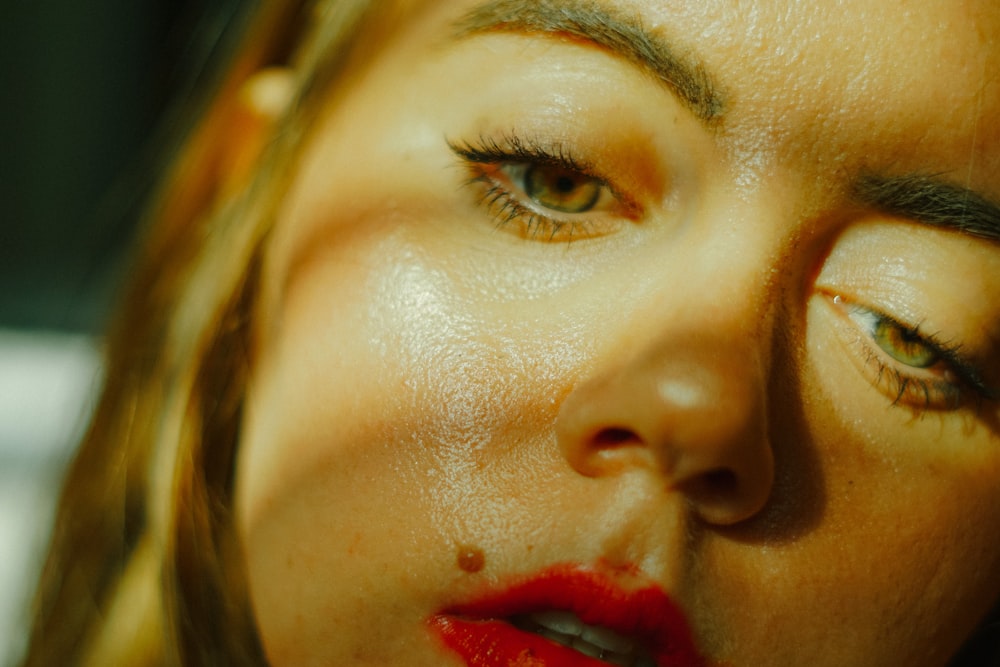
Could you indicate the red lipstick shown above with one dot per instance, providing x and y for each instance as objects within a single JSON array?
[{"x": 635, "y": 627}]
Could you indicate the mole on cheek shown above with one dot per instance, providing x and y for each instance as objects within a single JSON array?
[{"x": 470, "y": 559}]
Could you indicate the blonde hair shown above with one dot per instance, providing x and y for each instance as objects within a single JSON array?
[{"x": 144, "y": 567}]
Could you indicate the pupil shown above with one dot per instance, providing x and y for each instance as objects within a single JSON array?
[
  {"x": 565, "y": 184},
  {"x": 561, "y": 189},
  {"x": 905, "y": 346}
]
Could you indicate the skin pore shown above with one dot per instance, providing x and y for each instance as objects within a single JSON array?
[{"x": 532, "y": 301}]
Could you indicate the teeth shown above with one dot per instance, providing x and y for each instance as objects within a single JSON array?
[
  {"x": 608, "y": 640},
  {"x": 587, "y": 648},
  {"x": 563, "y": 622},
  {"x": 566, "y": 628}
]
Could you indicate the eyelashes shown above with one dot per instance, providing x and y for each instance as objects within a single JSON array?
[
  {"x": 542, "y": 192},
  {"x": 913, "y": 368}
]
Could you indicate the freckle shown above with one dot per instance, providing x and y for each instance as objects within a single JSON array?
[{"x": 471, "y": 559}]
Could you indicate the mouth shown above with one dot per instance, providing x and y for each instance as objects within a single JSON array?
[
  {"x": 568, "y": 616},
  {"x": 566, "y": 629}
]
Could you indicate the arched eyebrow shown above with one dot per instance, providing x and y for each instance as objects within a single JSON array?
[
  {"x": 925, "y": 199},
  {"x": 933, "y": 201},
  {"x": 619, "y": 33}
]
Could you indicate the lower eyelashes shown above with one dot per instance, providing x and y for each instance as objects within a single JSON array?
[
  {"x": 541, "y": 193},
  {"x": 556, "y": 188},
  {"x": 918, "y": 392},
  {"x": 510, "y": 211},
  {"x": 506, "y": 210},
  {"x": 912, "y": 368}
]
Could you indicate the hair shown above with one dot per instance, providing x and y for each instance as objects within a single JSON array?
[{"x": 144, "y": 567}]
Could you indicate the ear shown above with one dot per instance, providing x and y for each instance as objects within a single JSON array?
[{"x": 262, "y": 99}]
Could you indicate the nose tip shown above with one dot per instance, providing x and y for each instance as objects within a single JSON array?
[{"x": 693, "y": 414}]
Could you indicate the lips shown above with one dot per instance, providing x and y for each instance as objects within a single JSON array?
[{"x": 569, "y": 616}]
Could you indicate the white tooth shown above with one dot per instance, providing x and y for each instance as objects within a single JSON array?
[
  {"x": 587, "y": 648},
  {"x": 606, "y": 639},
  {"x": 564, "y": 622}
]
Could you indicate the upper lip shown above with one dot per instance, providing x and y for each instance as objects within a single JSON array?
[{"x": 645, "y": 614}]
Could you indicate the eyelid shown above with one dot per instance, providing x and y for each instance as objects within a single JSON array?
[
  {"x": 489, "y": 162},
  {"x": 949, "y": 353},
  {"x": 512, "y": 171},
  {"x": 938, "y": 390},
  {"x": 511, "y": 149}
]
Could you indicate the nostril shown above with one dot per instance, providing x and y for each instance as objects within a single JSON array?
[
  {"x": 712, "y": 486},
  {"x": 725, "y": 497},
  {"x": 724, "y": 481},
  {"x": 614, "y": 436}
]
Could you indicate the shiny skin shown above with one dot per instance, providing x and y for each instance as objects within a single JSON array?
[{"x": 677, "y": 394}]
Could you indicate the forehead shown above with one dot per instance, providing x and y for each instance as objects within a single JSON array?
[
  {"x": 913, "y": 85},
  {"x": 925, "y": 70}
]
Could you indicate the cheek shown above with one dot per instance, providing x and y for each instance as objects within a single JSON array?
[
  {"x": 882, "y": 526},
  {"x": 901, "y": 561},
  {"x": 908, "y": 509},
  {"x": 389, "y": 410}
]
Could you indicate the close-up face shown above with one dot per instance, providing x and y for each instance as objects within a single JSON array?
[{"x": 636, "y": 333}]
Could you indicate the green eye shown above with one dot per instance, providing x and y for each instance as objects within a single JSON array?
[
  {"x": 910, "y": 366},
  {"x": 903, "y": 345},
  {"x": 561, "y": 189}
]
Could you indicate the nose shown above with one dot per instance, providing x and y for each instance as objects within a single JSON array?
[{"x": 691, "y": 409}]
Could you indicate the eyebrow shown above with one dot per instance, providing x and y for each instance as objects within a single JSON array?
[
  {"x": 926, "y": 199},
  {"x": 932, "y": 201},
  {"x": 622, "y": 34}
]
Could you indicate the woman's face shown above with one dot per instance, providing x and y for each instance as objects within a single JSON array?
[{"x": 656, "y": 321}]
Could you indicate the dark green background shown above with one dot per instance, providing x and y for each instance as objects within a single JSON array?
[{"x": 84, "y": 87}]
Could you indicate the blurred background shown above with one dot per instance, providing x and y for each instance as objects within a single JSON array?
[{"x": 88, "y": 89}]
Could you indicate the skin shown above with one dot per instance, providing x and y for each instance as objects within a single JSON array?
[{"x": 440, "y": 401}]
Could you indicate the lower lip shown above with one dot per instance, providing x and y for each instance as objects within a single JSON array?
[{"x": 480, "y": 636}]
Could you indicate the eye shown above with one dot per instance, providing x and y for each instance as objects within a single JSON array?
[
  {"x": 557, "y": 188},
  {"x": 913, "y": 368},
  {"x": 541, "y": 192},
  {"x": 904, "y": 344}
]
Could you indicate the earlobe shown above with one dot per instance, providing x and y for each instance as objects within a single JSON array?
[
  {"x": 268, "y": 92},
  {"x": 261, "y": 101}
]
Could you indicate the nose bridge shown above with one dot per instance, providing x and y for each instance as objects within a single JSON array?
[
  {"x": 721, "y": 273},
  {"x": 718, "y": 305},
  {"x": 682, "y": 392}
]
